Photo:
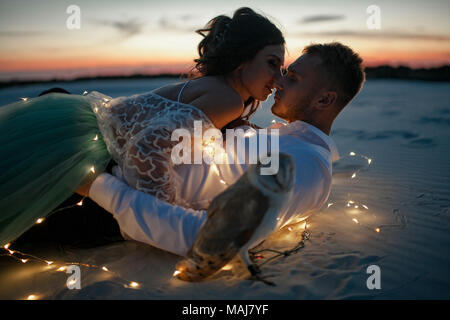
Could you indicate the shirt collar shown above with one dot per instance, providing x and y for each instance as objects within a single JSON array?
[{"x": 300, "y": 128}]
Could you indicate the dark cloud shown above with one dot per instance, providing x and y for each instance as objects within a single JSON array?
[
  {"x": 187, "y": 17},
  {"x": 375, "y": 34},
  {"x": 321, "y": 18},
  {"x": 176, "y": 24},
  {"x": 126, "y": 28}
]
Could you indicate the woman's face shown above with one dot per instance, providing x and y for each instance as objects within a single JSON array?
[{"x": 259, "y": 74}]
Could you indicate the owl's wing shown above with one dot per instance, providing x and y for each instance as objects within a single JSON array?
[{"x": 233, "y": 216}]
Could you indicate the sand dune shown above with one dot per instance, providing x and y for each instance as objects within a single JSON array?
[{"x": 402, "y": 126}]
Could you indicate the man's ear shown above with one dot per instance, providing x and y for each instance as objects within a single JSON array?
[{"x": 327, "y": 99}]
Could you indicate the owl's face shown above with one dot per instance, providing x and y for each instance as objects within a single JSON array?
[{"x": 281, "y": 182}]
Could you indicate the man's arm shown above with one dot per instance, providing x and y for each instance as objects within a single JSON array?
[
  {"x": 145, "y": 218},
  {"x": 172, "y": 228}
]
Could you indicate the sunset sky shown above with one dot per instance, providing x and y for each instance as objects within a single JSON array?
[{"x": 146, "y": 36}]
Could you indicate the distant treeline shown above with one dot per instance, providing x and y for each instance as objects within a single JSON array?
[
  {"x": 11, "y": 83},
  {"x": 388, "y": 72},
  {"x": 381, "y": 72}
]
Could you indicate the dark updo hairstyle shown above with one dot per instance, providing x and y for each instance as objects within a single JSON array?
[{"x": 229, "y": 42}]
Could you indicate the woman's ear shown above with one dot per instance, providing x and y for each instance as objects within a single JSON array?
[{"x": 327, "y": 99}]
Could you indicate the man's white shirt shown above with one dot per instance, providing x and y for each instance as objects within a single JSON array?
[{"x": 143, "y": 217}]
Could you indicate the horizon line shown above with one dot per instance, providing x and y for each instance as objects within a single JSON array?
[{"x": 6, "y": 83}]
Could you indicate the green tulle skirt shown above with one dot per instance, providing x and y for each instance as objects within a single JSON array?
[{"x": 48, "y": 147}]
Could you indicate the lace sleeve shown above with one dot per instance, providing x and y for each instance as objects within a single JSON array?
[
  {"x": 147, "y": 165},
  {"x": 137, "y": 131}
]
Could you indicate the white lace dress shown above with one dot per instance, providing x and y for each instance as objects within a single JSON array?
[{"x": 137, "y": 131}]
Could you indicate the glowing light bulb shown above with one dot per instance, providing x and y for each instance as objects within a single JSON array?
[
  {"x": 176, "y": 273},
  {"x": 24, "y": 99},
  {"x": 377, "y": 230},
  {"x": 330, "y": 204},
  {"x": 273, "y": 121},
  {"x": 356, "y": 207},
  {"x": 85, "y": 92},
  {"x": 355, "y": 220},
  {"x": 32, "y": 297},
  {"x": 92, "y": 169},
  {"x": 72, "y": 282},
  {"x": 134, "y": 284},
  {"x": 105, "y": 269},
  {"x": 227, "y": 267},
  {"x": 369, "y": 160},
  {"x": 365, "y": 207},
  {"x": 223, "y": 182},
  {"x": 6, "y": 246},
  {"x": 95, "y": 109},
  {"x": 350, "y": 201},
  {"x": 49, "y": 262},
  {"x": 353, "y": 175},
  {"x": 352, "y": 154},
  {"x": 61, "y": 269},
  {"x": 95, "y": 138},
  {"x": 24, "y": 260},
  {"x": 39, "y": 220},
  {"x": 290, "y": 229},
  {"x": 214, "y": 168},
  {"x": 11, "y": 252}
]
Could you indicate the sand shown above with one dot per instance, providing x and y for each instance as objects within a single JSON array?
[{"x": 403, "y": 127}]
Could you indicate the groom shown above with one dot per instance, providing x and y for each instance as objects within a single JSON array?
[{"x": 314, "y": 90}]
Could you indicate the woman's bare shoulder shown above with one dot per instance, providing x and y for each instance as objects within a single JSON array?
[
  {"x": 214, "y": 87},
  {"x": 169, "y": 91},
  {"x": 218, "y": 100},
  {"x": 211, "y": 95}
]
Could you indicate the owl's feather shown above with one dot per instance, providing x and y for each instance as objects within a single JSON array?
[
  {"x": 236, "y": 217},
  {"x": 225, "y": 231}
]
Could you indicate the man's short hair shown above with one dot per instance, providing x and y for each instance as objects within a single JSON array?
[{"x": 342, "y": 66}]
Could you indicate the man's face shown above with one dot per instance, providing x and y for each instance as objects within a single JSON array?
[{"x": 296, "y": 91}]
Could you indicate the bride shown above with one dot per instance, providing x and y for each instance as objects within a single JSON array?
[{"x": 53, "y": 144}]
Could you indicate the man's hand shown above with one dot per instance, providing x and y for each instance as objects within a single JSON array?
[{"x": 84, "y": 190}]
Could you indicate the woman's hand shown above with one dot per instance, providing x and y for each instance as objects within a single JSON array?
[{"x": 84, "y": 190}]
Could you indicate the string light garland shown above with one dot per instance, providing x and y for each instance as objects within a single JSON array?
[
  {"x": 306, "y": 235},
  {"x": 255, "y": 255},
  {"x": 25, "y": 257},
  {"x": 19, "y": 256}
]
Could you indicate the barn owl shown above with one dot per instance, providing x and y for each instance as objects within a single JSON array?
[{"x": 238, "y": 219}]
